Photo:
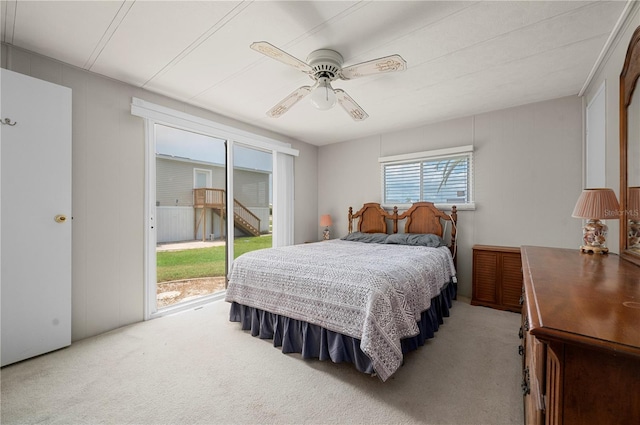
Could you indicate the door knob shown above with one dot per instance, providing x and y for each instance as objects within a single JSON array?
[{"x": 60, "y": 218}]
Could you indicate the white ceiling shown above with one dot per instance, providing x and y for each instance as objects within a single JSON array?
[{"x": 463, "y": 58}]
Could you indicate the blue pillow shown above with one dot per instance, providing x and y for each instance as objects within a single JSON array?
[
  {"x": 416, "y": 239},
  {"x": 366, "y": 237}
]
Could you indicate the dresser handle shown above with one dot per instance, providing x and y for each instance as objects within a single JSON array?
[
  {"x": 520, "y": 350},
  {"x": 520, "y": 333},
  {"x": 521, "y": 301}
]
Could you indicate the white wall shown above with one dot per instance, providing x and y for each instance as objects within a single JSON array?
[
  {"x": 527, "y": 166},
  {"x": 108, "y": 190},
  {"x": 609, "y": 73}
]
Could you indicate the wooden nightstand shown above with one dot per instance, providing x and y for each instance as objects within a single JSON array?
[{"x": 497, "y": 277}]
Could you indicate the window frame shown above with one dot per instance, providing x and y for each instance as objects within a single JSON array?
[{"x": 419, "y": 157}]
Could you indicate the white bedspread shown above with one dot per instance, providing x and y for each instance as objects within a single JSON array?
[{"x": 373, "y": 292}]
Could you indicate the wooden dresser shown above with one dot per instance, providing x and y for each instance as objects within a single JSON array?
[
  {"x": 581, "y": 338},
  {"x": 497, "y": 277}
]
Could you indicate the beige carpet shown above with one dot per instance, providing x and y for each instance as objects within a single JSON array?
[{"x": 198, "y": 368}]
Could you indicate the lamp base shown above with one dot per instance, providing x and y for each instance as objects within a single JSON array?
[
  {"x": 634, "y": 234},
  {"x": 594, "y": 235},
  {"x": 594, "y": 249}
]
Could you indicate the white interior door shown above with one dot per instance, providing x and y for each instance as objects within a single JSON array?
[{"x": 35, "y": 216}]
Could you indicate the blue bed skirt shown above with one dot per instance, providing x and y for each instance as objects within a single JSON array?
[{"x": 315, "y": 342}]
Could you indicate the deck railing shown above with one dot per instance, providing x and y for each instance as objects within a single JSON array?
[
  {"x": 215, "y": 198},
  {"x": 208, "y": 198},
  {"x": 243, "y": 214}
]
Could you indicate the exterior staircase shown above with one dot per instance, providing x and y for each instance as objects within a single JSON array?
[{"x": 214, "y": 199}]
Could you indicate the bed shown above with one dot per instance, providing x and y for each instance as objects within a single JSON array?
[{"x": 367, "y": 298}]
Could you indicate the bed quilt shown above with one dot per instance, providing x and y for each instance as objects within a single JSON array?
[{"x": 372, "y": 292}]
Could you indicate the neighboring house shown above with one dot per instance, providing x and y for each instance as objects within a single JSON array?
[{"x": 181, "y": 216}]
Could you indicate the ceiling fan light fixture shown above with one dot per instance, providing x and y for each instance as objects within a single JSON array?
[
  {"x": 324, "y": 66},
  {"x": 323, "y": 97}
]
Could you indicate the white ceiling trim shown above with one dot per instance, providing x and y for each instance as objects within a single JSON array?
[
  {"x": 108, "y": 33},
  {"x": 193, "y": 46},
  {"x": 615, "y": 33}
]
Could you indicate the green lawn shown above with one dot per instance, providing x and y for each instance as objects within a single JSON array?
[{"x": 204, "y": 262}]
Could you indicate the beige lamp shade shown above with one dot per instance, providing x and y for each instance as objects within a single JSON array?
[
  {"x": 597, "y": 204},
  {"x": 325, "y": 220}
]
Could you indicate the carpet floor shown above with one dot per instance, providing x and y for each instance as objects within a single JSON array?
[{"x": 197, "y": 367}]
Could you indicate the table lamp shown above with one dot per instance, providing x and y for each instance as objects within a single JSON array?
[
  {"x": 593, "y": 205},
  {"x": 325, "y": 221}
]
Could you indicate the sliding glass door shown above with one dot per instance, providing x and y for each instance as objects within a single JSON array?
[
  {"x": 207, "y": 185},
  {"x": 192, "y": 189},
  {"x": 190, "y": 182},
  {"x": 252, "y": 200}
]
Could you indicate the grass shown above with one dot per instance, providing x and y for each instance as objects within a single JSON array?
[{"x": 203, "y": 262}]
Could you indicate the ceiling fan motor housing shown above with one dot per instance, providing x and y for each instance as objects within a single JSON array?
[{"x": 325, "y": 63}]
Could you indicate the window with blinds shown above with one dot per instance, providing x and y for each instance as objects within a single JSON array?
[{"x": 443, "y": 177}]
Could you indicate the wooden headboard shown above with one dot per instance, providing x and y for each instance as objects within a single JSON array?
[
  {"x": 373, "y": 219},
  {"x": 422, "y": 217}
]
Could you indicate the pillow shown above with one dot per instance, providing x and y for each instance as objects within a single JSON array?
[
  {"x": 366, "y": 237},
  {"x": 416, "y": 239}
]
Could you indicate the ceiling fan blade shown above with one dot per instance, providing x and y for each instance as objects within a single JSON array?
[
  {"x": 391, "y": 63},
  {"x": 349, "y": 105},
  {"x": 273, "y": 52},
  {"x": 285, "y": 104}
]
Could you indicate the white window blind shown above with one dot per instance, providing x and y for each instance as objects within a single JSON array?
[
  {"x": 444, "y": 177},
  {"x": 283, "y": 202}
]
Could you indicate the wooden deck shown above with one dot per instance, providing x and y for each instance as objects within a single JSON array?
[{"x": 215, "y": 199}]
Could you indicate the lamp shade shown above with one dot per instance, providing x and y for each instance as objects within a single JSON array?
[
  {"x": 597, "y": 204},
  {"x": 325, "y": 220}
]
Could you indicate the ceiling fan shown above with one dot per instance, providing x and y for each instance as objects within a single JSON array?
[{"x": 324, "y": 66}]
